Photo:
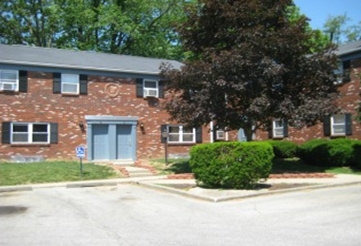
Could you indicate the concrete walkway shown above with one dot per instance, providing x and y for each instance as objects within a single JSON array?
[{"x": 187, "y": 188}]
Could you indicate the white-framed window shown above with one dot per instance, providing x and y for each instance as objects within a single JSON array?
[
  {"x": 220, "y": 135},
  {"x": 278, "y": 128},
  {"x": 31, "y": 133},
  {"x": 338, "y": 124},
  {"x": 339, "y": 73},
  {"x": 69, "y": 83},
  {"x": 180, "y": 134},
  {"x": 150, "y": 88},
  {"x": 9, "y": 80},
  {"x": 342, "y": 73}
]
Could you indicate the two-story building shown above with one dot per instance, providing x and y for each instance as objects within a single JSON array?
[
  {"x": 343, "y": 124},
  {"x": 53, "y": 100}
]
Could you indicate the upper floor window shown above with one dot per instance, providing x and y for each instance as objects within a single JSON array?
[
  {"x": 30, "y": 133},
  {"x": 9, "y": 80},
  {"x": 70, "y": 83},
  {"x": 73, "y": 84},
  {"x": 150, "y": 88},
  {"x": 342, "y": 72}
]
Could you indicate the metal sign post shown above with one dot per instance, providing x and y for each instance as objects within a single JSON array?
[
  {"x": 165, "y": 135},
  {"x": 80, "y": 153}
]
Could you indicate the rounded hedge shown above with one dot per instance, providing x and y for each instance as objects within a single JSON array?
[
  {"x": 284, "y": 149},
  {"x": 236, "y": 165},
  {"x": 333, "y": 153}
]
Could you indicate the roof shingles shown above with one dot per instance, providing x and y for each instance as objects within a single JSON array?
[{"x": 52, "y": 57}]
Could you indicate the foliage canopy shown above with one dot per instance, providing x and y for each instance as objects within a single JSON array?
[
  {"x": 249, "y": 63},
  {"x": 134, "y": 27}
]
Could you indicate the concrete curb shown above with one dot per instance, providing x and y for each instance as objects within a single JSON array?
[
  {"x": 142, "y": 181},
  {"x": 77, "y": 184},
  {"x": 15, "y": 188},
  {"x": 174, "y": 191},
  {"x": 244, "y": 196}
]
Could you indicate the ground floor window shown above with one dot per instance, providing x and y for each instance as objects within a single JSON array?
[
  {"x": 278, "y": 129},
  {"x": 338, "y": 124},
  {"x": 180, "y": 134},
  {"x": 30, "y": 133}
]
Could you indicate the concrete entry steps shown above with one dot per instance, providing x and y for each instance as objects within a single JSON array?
[
  {"x": 133, "y": 169},
  {"x": 138, "y": 172}
]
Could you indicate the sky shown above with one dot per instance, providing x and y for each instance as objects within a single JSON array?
[{"x": 319, "y": 10}]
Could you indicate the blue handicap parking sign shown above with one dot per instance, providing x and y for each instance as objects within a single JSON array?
[{"x": 80, "y": 152}]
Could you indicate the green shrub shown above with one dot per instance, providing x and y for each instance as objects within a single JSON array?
[
  {"x": 332, "y": 153},
  {"x": 284, "y": 149},
  {"x": 237, "y": 165},
  {"x": 356, "y": 146},
  {"x": 308, "y": 152}
]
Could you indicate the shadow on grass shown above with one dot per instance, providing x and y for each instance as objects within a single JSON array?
[
  {"x": 180, "y": 167},
  {"x": 279, "y": 166},
  {"x": 295, "y": 165}
]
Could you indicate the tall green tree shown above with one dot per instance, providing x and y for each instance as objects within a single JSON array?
[
  {"x": 136, "y": 27},
  {"x": 334, "y": 27},
  {"x": 338, "y": 30},
  {"x": 32, "y": 22},
  {"x": 318, "y": 40},
  {"x": 250, "y": 64}
]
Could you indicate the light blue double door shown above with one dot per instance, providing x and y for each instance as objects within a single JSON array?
[{"x": 113, "y": 142}]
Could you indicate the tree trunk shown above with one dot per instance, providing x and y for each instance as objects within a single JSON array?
[{"x": 248, "y": 132}]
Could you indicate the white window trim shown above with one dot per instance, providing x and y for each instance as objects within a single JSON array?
[
  {"x": 180, "y": 133},
  {"x": 339, "y": 73},
  {"x": 15, "y": 84},
  {"x": 275, "y": 128},
  {"x": 214, "y": 137},
  {"x": 222, "y": 133},
  {"x": 70, "y": 83},
  {"x": 147, "y": 91},
  {"x": 225, "y": 135},
  {"x": 333, "y": 124},
  {"x": 29, "y": 133}
]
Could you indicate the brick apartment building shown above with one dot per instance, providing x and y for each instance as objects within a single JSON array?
[
  {"x": 343, "y": 124},
  {"x": 54, "y": 100}
]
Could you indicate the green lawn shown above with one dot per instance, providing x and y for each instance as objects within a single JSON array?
[
  {"x": 297, "y": 165},
  {"x": 59, "y": 171},
  {"x": 292, "y": 165},
  {"x": 51, "y": 171}
]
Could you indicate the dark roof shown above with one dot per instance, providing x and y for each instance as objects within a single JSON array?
[
  {"x": 88, "y": 60},
  {"x": 350, "y": 48}
]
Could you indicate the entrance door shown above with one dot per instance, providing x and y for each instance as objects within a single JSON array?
[
  {"x": 124, "y": 142},
  {"x": 101, "y": 142}
]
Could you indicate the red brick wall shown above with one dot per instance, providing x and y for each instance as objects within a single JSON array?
[
  {"x": 106, "y": 96},
  {"x": 117, "y": 96},
  {"x": 349, "y": 101}
]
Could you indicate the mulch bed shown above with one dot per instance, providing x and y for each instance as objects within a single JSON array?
[
  {"x": 272, "y": 176},
  {"x": 273, "y": 187}
]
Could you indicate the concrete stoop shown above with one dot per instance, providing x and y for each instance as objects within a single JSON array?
[{"x": 133, "y": 169}]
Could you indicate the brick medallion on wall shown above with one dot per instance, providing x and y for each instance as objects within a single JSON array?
[{"x": 112, "y": 89}]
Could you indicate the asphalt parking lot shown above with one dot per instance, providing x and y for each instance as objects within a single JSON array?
[{"x": 127, "y": 214}]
